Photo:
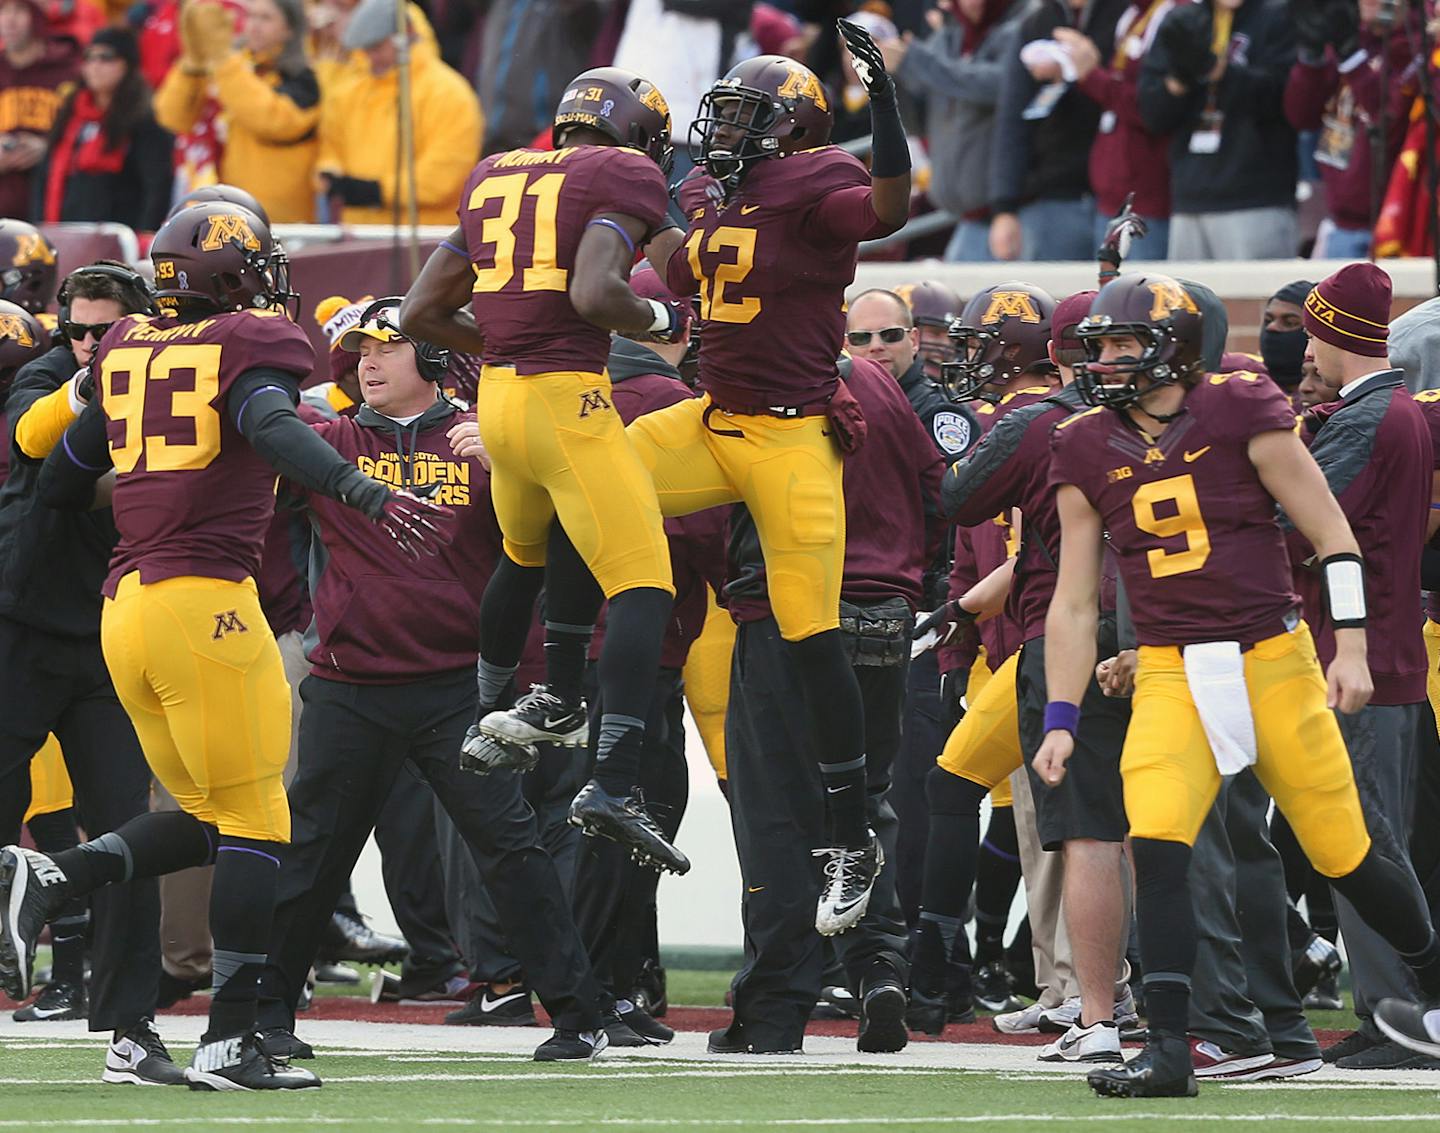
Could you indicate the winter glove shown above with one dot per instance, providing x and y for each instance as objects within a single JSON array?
[
  {"x": 353, "y": 191},
  {"x": 207, "y": 33}
]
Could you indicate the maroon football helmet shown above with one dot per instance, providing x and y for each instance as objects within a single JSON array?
[
  {"x": 29, "y": 266},
  {"x": 21, "y": 339},
  {"x": 229, "y": 194},
  {"x": 1003, "y": 332},
  {"x": 1166, "y": 321},
  {"x": 220, "y": 257},
  {"x": 765, "y": 107},
  {"x": 621, "y": 105},
  {"x": 933, "y": 306}
]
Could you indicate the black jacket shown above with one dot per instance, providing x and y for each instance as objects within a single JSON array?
[
  {"x": 951, "y": 425},
  {"x": 1256, "y": 164},
  {"x": 1048, "y": 159},
  {"x": 139, "y": 195},
  {"x": 51, "y": 562}
]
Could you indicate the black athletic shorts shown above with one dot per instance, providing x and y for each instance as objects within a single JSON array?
[{"x": 1090, "y": 801}]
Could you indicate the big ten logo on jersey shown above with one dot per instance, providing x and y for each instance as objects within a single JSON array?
[
  {"x": 1115, "y": 475},
  {"x": 1011, "y": 305},
  {"x": 450, "y": 479},
  {"x": 802, "y": 83},
  {"x": 32, "y": 248},
  {"x": 15, "y": 329},
  {"x": 228, "y": 228},
  {"x": 1170, "y": 297}
]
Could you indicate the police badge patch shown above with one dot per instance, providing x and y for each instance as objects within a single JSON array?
[{"x": 952, "y": 432}]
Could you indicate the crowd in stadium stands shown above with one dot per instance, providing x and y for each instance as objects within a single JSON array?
[{"x": 1244, "y": 129}]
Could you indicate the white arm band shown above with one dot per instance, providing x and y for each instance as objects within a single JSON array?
[{"x": 1345, "y": 590}]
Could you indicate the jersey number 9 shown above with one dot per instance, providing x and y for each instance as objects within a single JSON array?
[{"x": 147, "y": 392}]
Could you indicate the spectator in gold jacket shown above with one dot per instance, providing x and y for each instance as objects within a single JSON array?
[
  {"x": 268, "y": 95},
  {"x": 360, "y": 126}
]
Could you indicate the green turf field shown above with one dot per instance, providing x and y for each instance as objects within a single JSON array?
[{"x": 385, "y": 1091}]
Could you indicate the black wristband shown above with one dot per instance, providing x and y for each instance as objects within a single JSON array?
[{"x": 889, "y": 149}]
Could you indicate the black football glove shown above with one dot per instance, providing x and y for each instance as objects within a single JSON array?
[
  {"x": 1124, "y": 227},
  {"x": 869, "y": 63},
  {"x": 1185, "y": 38},
  {"x": 945, "y": 623},
  {"x": 85, "y": 384},
  {"x": 952, "y": 697},
  {"x": 354, "y": 191},
  {"x": 1311, "y": 20},
  {"x": 679, "y": 319}
]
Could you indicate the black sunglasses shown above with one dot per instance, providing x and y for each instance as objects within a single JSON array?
[
  {"x": 77, "y": 331},
  {"x": 890, "y": 335}
]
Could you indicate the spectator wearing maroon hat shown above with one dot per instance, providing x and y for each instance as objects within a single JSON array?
[
  {"x": 1375, "y": 450},
  {"x": 109, "y": 159},
  {"x": 34, "y": 72}
]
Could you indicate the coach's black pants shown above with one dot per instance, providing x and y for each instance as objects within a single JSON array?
[
  {"x": 61, "y": 685},
  {"x": 923, "y": 739},
  {"x": 614, "y": 897},
  {"x": 777, "y": 810},
  {"x": 353, "y": 741}
]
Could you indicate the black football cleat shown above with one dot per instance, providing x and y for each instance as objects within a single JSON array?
[
  {"x": 650, "y": 993},
  {"x": 850, "y": 874},
  {"x": 481, "y": 754},
  {"x": 56, "y": 1004},
  {"x": 634, "y": 1027},
  {"x": 138, "y": 1057},
  {"x": 1412, "y": 1025},
  {"x": 238, "y": 1063},
  {"x": 1319, "y": 959},
  {"x": 279, "y": 1043},
  {"x": 624, "y": 819},
  {"x": 349, "y": 938},
  {"x": 994, "y": 991},
  {"x": 926, "y": 1014},
  {"x": 882, "y": 1016},
  {"x": 572, "y": 1046},
  {"x": 1162, "y": 1070},
  {"x": 835, "y": 1002},
  {"x": 32, "y": 889},
  {"x": 540, "y": 717}
]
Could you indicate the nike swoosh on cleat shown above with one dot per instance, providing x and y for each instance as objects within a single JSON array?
[
  {"x": 48, "y": 1012},
  {"x": 488, "y": 1005}
]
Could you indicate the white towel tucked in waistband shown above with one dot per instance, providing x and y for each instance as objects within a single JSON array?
[{"x": 1215, "y": 672}]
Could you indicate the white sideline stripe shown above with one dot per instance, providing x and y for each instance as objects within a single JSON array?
[{"x": 1117, "y": 1117}]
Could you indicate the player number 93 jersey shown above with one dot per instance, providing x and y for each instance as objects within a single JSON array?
[
  {"x": 1192, "y": 526},
  {"x": 191, "y": 496}
]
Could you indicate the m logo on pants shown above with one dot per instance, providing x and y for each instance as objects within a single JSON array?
[{"x": 228, "y": 622}]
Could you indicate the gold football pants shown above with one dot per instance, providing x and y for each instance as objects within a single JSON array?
[{"x": 985, "y": 746}]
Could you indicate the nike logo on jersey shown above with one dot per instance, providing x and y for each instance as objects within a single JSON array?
[
  {"x": 487, "y": 1004},
  {"x": 1191, "y": 457},
  {"x": 754, "y": 888},
  {"x": 746, "y": 210}
]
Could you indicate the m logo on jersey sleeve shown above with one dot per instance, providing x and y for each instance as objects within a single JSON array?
[
  {"x": 1011, "y": 305},
  {"x": 228, "y": 228},
  {"x": 1170, "y": 297}
]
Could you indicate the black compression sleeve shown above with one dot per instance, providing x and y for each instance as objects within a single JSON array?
[
  {"x": 67, "y": 478},
  {"x": 262, "y": 405},
  {"x": 889, "y": 151}
]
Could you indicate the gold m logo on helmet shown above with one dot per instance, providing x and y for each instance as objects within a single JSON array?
[
  {"x": 16, "y": 329},
  {"x": 1169, "y": 298},
  {"x": 32, "y": 248},
  {"x": 652, "y": 98},
  {"x": 228, "y": 228},
  {"x": 801, "y": 82},
  {"x": 1011, "y": 305}
]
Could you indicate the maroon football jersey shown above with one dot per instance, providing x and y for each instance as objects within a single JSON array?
[
  {"x": 771, "y": 265},
  {"x": 1192, "y": 527},
  {"x": 191, "y": 496},
  {"x": 523, "y": 213}
]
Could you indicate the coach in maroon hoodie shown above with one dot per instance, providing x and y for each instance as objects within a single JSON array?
[
  {"x": 393, "y": 681},
  {"x": 1374, "y": 448}
]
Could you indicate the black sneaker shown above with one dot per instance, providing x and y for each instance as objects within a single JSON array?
[
  {"x": 277, "y": 1042},
  {"x": 425, "y": 980},
  {"x": 32, "y": 889},
  {"x": 57, "y": 1003},
  {"x": 539, "y": 717},
  {"x": 835, "y": 1002},
  {"x": 1388, "y": 1056},
  {"x": 1318, "y": 960},
  {"x": 137, "y": 1057},
  {"x": 850, "y": 874},
  {"x": 625, "y": 820},
  {"x": 572, "y": 1046},
  {"x": 1325, "y": 995},
  {"x": 733, "y": 1040},
  {"x": 650, "y": 993},
  {"x": 238, "y": 1063},
  {"x": 481, "y": 754},
  {"x": 1354, "y": 1043},
  {"x": 328, "y": 973},
  {"x": 513, "y": 1009},
  {"x": 1415, "y": 1026},
  {"x": 927, "y": 1014},
  {"x": 882, "y": 1016},
  {"x": 349, "y": 937},
  {"x": 993, "y": 990},
  {"x": 642, "y": 1029},
  {"x": 1162, "y": 1070}
]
